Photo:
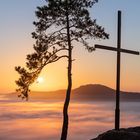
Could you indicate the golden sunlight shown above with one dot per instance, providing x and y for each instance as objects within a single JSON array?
[{"x": 39, "y": 80}]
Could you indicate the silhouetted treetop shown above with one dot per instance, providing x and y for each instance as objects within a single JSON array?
[{"x": 81, "y": 26}]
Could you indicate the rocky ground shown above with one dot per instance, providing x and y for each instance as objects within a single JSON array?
[{"x": 132, "y": 133}]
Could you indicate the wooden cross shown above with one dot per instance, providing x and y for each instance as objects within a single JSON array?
[{"x": 118, "y": 50}]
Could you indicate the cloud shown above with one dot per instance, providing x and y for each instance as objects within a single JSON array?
[{"x": 43, "y": 120}]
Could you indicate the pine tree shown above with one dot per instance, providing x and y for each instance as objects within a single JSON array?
[{"x": 60, "y": 23}]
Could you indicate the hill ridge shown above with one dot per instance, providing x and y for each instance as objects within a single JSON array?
[{"x": 85, "y": 92}]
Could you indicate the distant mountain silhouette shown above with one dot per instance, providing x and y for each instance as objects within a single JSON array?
[
  {"x": 93, "y": 92},
  {"x": 90, "y": 92},
  {"x": 101, "y": 92}
]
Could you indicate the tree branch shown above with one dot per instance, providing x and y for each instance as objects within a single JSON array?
[{"x": 63, "y": 56}]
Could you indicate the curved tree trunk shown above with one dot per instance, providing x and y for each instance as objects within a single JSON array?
[{"x": 68, "y": 93}]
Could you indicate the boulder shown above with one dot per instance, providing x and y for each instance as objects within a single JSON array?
[{"x": 132, "y": 133}]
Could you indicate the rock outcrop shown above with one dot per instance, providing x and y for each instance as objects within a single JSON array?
[{"x": 122, "y": 134}]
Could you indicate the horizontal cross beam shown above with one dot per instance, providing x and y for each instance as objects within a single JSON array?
[{"x": 115, "y": 49}]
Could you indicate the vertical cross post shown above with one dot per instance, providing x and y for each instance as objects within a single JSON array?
[
  {"x": 119, "y": 50},
  {"x": 117, "y": 110}
]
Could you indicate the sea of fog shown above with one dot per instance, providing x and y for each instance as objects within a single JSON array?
[{"x": 42, "y": 120}]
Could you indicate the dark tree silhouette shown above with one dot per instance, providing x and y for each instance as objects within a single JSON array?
[{"x": 60, "y": 23}]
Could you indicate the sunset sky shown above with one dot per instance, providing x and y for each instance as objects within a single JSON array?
[{"x": 16, "y": 18}]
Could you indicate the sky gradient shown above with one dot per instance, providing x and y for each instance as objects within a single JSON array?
[{"x": 97, "y": 67}]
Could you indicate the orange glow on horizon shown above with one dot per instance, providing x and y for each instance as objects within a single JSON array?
[{"x": 83, "y": 73}]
